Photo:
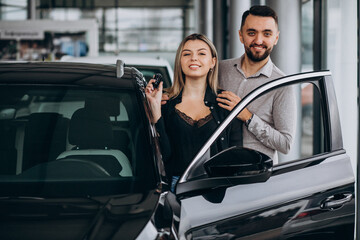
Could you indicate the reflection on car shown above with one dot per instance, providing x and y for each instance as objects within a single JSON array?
[{"x": 80, "y": 160}]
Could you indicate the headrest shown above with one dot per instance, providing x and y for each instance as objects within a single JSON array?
[
  {"x": 42, "y": 123},
  {"x": 90, "y": 129},
  {"x": 110, "y": 104}
]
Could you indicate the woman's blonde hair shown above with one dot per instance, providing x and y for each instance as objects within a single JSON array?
[{"x": 179, "y": 77}]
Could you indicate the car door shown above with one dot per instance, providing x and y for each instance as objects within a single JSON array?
[{"x": 309, "y": 194}]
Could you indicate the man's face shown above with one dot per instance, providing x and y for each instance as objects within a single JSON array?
[{"x": 259, "y": 35}]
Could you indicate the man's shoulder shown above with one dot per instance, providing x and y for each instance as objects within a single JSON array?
[
  {"x": 276, "y": 72},
  {"x": 229, "y": 62}
]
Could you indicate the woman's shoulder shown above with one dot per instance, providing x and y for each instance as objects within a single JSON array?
[
  {"x": 221, "y": 111},
  {"x": 169, "y": 105}
]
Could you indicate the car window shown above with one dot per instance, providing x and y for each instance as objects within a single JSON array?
[
  {"x": 312, "y": 125},
  {"x": 74, "y": 135}
]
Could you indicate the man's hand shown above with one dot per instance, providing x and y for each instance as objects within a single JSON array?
[
  {"x": 164, "y": 98},
  {"x": 228, "y": 100}
]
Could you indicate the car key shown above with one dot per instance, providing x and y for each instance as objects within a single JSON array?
[{"x": 158, "y": 78}]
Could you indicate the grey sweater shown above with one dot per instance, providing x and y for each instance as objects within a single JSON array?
[{"x": 273, "y": 125}]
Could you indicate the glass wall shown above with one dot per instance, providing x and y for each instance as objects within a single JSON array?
[
  {"x": 141, "y": 30},
  {"x": 307, "y": 36},
  {"x": 129, "y": 31},
  {"x": 341, "y": 59},
  {"x": 13, "y": 9}
]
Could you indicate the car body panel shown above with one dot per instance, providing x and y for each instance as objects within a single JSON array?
[
  {"x": 334, "y": 172},
  {"x": 118, "y": 217},
  {"x": 299, "y": 219}
]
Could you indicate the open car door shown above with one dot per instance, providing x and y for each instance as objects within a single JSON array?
[{"x": 309, "y": 194}]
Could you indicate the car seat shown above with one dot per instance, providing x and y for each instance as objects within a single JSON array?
[
  {"x": 91, "y": 132},
  {"x": 44, "y": 138},
  {"x": 8, "y": 152}
]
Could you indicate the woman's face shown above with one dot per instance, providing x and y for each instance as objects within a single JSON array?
[{"x": 196, "y": 59}]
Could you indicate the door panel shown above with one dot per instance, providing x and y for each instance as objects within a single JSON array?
[
  {"x": 290, "y": 192},
  {"x": 300, "y": 219}
]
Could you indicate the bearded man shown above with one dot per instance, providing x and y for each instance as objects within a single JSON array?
[{"x": 270, "y": 121}]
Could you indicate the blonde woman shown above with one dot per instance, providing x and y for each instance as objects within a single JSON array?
[{"x": 191, "y": 114}]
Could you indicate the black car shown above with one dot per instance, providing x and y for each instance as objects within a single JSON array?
[{"x": 79, "y": 159}]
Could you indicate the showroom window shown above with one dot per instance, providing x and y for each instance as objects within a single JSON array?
[
  {"x": 130, "y": 29},
  {"x": 135, "y": 30},
  {"x": 341, "y": 58},
  {"x": 307, "y": 38},
  {"x": 13, "y": 9},
  {"x": 141, "y": 29}
]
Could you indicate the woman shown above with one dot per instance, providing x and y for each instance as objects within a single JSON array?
[{"x": 191, "y": 115}]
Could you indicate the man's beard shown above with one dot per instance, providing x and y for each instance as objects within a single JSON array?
[{"x": 257, "y": 57}]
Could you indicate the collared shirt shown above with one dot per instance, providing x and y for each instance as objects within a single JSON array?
[
  {"x": 274, "y": 121},
  {"x": 180, "y": 142}
]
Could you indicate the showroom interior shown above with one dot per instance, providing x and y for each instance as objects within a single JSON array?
[{"x": 314, "y": 35}]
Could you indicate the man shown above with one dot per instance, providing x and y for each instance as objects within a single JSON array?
[{"x": 269, "y": 120}]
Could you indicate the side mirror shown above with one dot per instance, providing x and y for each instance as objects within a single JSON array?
[
  {"x": 241, "y": 165},
  {"x": 233, "y": 166}
]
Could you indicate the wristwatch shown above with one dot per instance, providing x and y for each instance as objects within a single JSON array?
[{"x": 247, "y": 122}]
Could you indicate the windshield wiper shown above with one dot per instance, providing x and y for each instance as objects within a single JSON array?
[{"x": 96, "y": 223}]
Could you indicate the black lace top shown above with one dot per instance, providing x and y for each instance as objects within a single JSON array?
[
  {"x": 195, "y": 123},
  {"x": 181, "y": 137}
]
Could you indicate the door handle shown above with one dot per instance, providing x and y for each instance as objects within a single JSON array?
[{"x": 336, "y": 201}]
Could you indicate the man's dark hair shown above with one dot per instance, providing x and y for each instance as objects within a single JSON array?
[{"x": 261, "y": 11}]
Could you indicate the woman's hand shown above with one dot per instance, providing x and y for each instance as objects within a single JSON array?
[
  {"x": 153, "y": 96},
  {"x": 228, "y": 100}
]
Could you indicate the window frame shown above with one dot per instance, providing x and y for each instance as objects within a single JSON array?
[{"x": 321, "y": 79}]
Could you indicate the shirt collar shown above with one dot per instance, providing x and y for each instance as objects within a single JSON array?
[{"x": 266, "y": 70}]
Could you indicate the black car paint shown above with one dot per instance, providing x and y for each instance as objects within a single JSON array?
[
  {"x": 105, "y": 217},
  {"x": 300, "y": 219}
]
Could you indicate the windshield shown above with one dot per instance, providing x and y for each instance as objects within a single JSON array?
[{"x": 72, "y": 141}]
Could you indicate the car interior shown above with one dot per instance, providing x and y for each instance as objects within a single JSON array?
[{"x": 64, "y": 133}]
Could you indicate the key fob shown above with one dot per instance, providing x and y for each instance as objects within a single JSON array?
[{"x": 158, "y": 78}]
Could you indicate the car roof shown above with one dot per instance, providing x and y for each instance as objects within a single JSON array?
[
  {"x": 66, "y": 73},
  {"x": 146, "y": 61},
  {"x": 137, "y": 62}
]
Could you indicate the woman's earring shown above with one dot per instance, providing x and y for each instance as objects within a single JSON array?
[{"x": 210, "y": 70}]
